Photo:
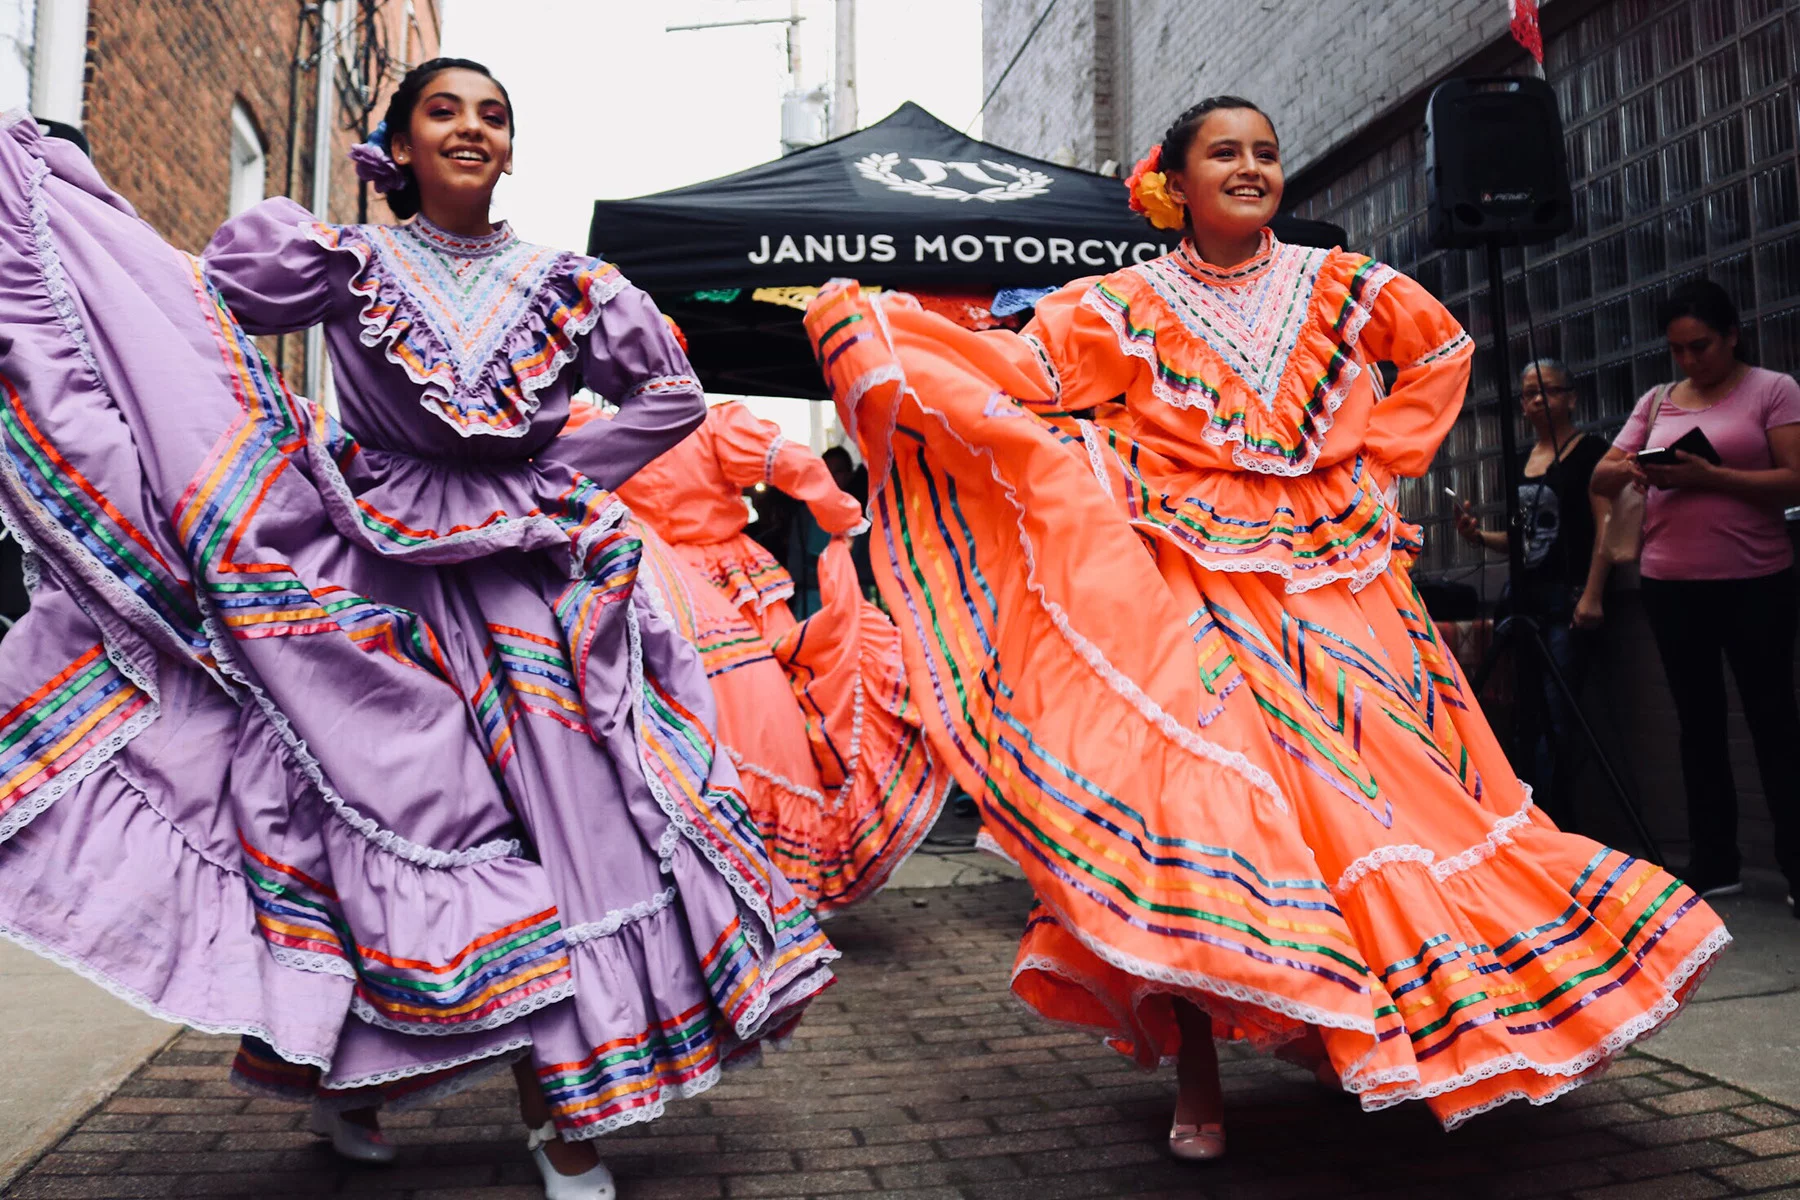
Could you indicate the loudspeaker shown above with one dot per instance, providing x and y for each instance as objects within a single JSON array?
[{"x": 1495, "y": 167}]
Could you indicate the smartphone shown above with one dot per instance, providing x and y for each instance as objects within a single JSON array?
[{"x": 1692, "y": 442}]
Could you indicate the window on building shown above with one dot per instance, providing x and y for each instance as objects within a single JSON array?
[
  {"x": 1680, "y": 125},
  {"x": 249, "y": 161}
]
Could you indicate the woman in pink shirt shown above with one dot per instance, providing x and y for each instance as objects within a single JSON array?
[{"x": 1718, "y": 570}]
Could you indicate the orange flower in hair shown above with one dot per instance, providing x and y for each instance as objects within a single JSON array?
[
  {"x": 680, "y": 337},
  {"x": 1149, "y": 189}
]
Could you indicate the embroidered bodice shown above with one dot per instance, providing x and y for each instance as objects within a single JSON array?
[
  {"x": 453, "y": 362},
  {"x": 445, "y": 346},
  {"x": 1266, "y": 366},
  {"x": 1252, "y": 428}
]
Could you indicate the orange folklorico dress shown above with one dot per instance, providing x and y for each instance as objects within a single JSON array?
[
  {"x": 817, "y": 715},
  {"x": 1175, "y": 653}
]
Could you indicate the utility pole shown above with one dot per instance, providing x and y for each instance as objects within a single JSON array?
[
  {"x": 324, "y": 113},
  {"x": 843, "y": 70}
]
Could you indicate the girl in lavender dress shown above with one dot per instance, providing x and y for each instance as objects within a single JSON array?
[{"x": 366, "y": 741}]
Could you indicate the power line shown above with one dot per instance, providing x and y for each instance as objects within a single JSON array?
[{"x": 1017, "y": 54}]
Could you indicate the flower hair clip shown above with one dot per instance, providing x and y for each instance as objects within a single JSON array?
[
  {"x": 374, "y": 165},
  {"x": 1149, "y": 189}
]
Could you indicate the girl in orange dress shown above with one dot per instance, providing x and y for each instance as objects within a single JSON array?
[
  {"x": 817, "y": 715},
  {"x": 1175, "y": 653}
]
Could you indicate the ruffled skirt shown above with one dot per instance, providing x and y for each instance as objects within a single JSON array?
[
  {"x": 818, "y": 718},
  {"x": 1265, "y": 791},
  {"x": 280, "y": 761}
]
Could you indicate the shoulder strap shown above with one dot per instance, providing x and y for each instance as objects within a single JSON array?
[{"x": 1658, "y": 396}]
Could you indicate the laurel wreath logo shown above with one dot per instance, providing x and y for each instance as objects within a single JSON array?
[{"x": 1025, "y": 182}]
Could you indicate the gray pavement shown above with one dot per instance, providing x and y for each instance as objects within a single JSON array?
[
  {"x": 918, "y": 1076},
  {"x": 1744, "y": 1026},
  {"x": 65, "y": 1045}
]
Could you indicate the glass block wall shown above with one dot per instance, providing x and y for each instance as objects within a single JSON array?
[{"x": 1680, "y": 124}]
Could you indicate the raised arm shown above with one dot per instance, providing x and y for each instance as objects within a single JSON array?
[
  {"x": 631, "y": 358},
  {"x": 272, "y": 265},
  {"x": 752, "y": 451},
  {"x": 1409, "y": 328}
]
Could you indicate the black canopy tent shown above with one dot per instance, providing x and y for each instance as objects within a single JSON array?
[{"x": 906, "y": 203}]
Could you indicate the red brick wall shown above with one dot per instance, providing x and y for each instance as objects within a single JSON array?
[{"x": 162, "y": 78}]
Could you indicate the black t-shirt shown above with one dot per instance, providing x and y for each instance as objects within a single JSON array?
[{"x": 1557, "y": 518}]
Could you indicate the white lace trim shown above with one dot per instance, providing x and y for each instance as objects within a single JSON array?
[
  {"x": 985, "y": 842},
  {"x": 375, "y": 332},
  {"x": 50, "y": 267},
  {"x": 1578, "y": 1068},
  {"x": 128, "y": 603},
  {"x": 660, "y": 383},
  {"x": 1225, "y": 989},
  {"x": 683, "y": 1090},
  {"x": 1383, "y": 856},
  {"x": 311, "y": 962},
  {"x": 611, "y": 517},
  {"x": 325, "y": 468},
  {"x": 506, "y": 1016},
  {"x": 745, "y": 766},
  {"x": 1444, "y": 351},
  {"x": 1187, "y": 739},
  {"x": 679, "y": 821},
  {"x": 618, "y": 918},
  {"x": 149, "y": 1007},
  {"x": 512, "y": 1047},
  {"x": 774, "y": 449},
  {"x": 386, "y": 839},
  {"x": 1334, "y": 399},
  {"x": 1090, "y": 438},
  {"x": 98, "y": 755},
  {"x": 1294, "y": 584}
]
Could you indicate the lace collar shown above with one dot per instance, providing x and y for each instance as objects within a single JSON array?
[
  {"x": 1191, "y": 262},
  {"x": 458, "y": 245},
  {"x": 482, "y": 324}
]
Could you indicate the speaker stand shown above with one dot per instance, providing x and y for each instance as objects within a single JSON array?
[{"x": 1519, "y": 632}]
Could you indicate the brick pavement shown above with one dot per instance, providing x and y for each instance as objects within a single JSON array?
[{"x": 918, "y": 1078}]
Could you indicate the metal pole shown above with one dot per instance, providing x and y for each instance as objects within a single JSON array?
[
  {"x": 793, "y": 43},
  {"x": 843, "y": 84},
  {"x": 1509, "y": 442},
  {"x": 323, "y": 115}
]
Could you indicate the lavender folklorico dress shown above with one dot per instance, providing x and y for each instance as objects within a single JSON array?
[{"x": 365, "y": 741}]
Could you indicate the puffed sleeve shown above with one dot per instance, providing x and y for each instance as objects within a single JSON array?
[
  {"x": 274, "y": 274},
  {"x": 752, "y": 451},
  {"x": 631, "y": 358},
  {"x": 1409, "y": 328},
  {"x": 1077, "y": 350}
]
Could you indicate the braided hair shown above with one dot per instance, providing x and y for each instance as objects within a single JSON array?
[
  {"x": 1180, "y": 136},
  {"x": 404, "y": 200}
]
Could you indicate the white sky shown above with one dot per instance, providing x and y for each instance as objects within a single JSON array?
[{"x": 608, "y": 105}]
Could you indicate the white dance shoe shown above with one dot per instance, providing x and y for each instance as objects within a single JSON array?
[
  {"x": 595, "y": 1183},
  {"x": 351, "y": 1141}
]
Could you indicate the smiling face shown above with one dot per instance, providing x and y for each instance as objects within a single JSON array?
[
  {"x": 1231, "y": 182},
  {"x": 459, "y": 141},
  {"x": 1702, "y": 353}
]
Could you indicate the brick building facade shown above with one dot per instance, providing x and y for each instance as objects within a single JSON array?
[
  {"x": 1680, "y": 117},
  {"x": 195, "y": 108}
]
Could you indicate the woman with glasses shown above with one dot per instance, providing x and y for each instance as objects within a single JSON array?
[{"x": 1564, "y": 580}]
